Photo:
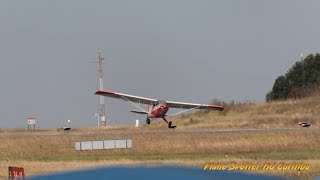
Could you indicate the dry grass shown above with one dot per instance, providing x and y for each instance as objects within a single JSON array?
[
  {"x": 40, "y": 153},
  {"x": 261, "y": 115},
  {"x": 48, "y": 148}
]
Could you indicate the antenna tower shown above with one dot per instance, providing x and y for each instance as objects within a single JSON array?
[{"x": 102, "y": 109}]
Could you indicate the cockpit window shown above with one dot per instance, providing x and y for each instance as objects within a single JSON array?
[{"x": 160, "y": 102}]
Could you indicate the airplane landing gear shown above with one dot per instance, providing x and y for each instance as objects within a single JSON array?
[
  {"x": 170, "y": 125},
  {"x": 148, "y": 121}
]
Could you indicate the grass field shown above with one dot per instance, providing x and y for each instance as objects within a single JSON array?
[
  {"x": 43, "y": 154},
  {"x": 51, "y": 151}
]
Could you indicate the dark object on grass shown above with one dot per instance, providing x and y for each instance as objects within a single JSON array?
[{"x": 304, "y": 124}]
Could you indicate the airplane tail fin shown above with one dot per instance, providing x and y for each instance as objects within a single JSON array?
[{"x": 138, "y": 112}]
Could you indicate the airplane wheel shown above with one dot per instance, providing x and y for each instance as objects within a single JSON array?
[
  {"x": 148, "y": 121},
  {"x": 169, "y": 124}
]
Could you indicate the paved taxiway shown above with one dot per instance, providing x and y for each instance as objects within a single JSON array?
[{"x": 146, "y": 131}]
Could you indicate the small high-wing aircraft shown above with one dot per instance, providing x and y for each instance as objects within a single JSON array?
[{"x": 159, "y": 107}]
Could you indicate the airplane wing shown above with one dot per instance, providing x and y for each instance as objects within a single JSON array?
[
  {"x": 171, "y": 104},
  {"x": 193, "y": 106},
  {"x": 127, "y": 97}
]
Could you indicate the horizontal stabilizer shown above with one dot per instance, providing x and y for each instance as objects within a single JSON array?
[{"x": 138, "y": 112}]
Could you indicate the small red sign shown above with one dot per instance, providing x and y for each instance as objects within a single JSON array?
[
  {"x": 16, "y": 173},
  {"x": 31, "y": 121}
]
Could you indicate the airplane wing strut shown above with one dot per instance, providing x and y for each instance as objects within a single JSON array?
[
  {"x": 180, "y": 112},
  {"x": 135, "y": 105}
]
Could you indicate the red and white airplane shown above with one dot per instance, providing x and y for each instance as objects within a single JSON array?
[{"x": 159, "y": 107}]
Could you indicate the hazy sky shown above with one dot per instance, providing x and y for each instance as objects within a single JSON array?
[{"x": 184, "y": 50}]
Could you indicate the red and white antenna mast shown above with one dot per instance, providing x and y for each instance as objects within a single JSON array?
[{"x": 102, "y": 109}]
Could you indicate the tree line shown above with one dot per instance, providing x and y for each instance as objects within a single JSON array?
[{"x": 300, "y": 79}]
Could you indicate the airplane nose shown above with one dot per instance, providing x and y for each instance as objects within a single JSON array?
[{"x": 164, "y": 107}]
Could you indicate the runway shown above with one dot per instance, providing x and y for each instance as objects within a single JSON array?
[{"x": 146, "y": 131}]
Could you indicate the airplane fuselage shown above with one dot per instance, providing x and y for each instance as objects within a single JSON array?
[{"x": 159, "y": 111}]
